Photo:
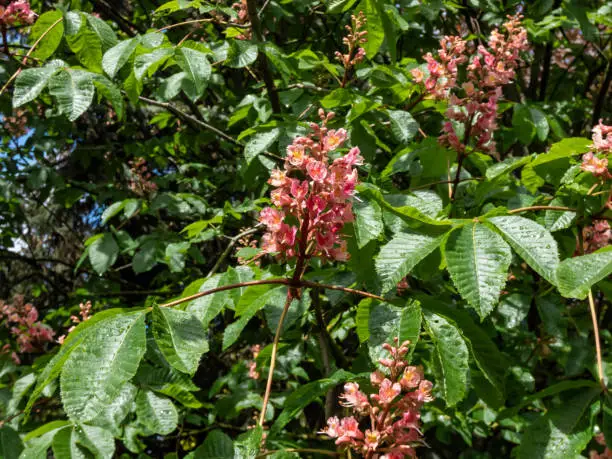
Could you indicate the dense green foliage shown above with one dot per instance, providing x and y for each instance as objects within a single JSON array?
[{"x": 137, "y": 142}]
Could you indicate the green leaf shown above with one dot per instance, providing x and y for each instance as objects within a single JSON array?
[
  {"x": 549, "y": 391},
  {"x": 478, "y": 260},
  {"x": 217, "y": 445},
  {"x": 540, "y": 122},
  {"x": 36, "y": 447},
  {"x": 388, "y": 322},
  {"x": 97, "y": 369},
  {"x": 113, "y": 414},
  {"x": 104, "y": 32},
  {"x": 116, "y": 57},
  {"x": 78, "y": 441},
  {"x": 111, "y": 211},
  {"x": 256, "y": 299},
  {"x": 556, "y": 220},
  {"x": 10, "y": 443},
  {"x": 606, "y": 407},
  {"x": 566, "y": 148},
  {"x": 103, "y": 253},
  {"x": 87, "y": 46},
  {"x": 149, "y": 63},
  {"x": 368, "y": 222},
  {"x": 248, "y": 444},
  {"x": 107, "y": 89},
  {"x": 180, "y": 337},
  {"x": 53, "y": 37},
  {"x": 71, "y": 342},
  {"x": 562, "y": 432},
  {"x": 339, "y": 6},
  {"x": 146, "y": 257},
  {"x": 577, "y": 275},
  {"x": 240, "y": 54},
  {"x": 362, "y": 318},
  {"x": 274, "y": 308},
  {"x": 374, "y": 27},
  {"x": 523, "y": 124},
  {"x": 196, "y": 66},
  {"x": 403, "y": 126},
  {"x": 156, "y": 413},
  {"x": 532, "y": 242},
  {"x": 408, "y": 213},
  {"x": 259, "y": 143},
  {"x": 306, "y": 394},
  {"x": 207, "y": 307},
  {"x": 485, "y": 353},
  {"x": 400, "y": 255},
  {"x": 74, "y": 91},
  {"x": 451, "y": 354},
  {"x": 30, "y": 82}
]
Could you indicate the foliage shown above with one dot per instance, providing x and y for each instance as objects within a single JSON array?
[{"x": 236, "y": 263}]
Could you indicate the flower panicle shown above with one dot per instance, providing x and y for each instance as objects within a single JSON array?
[
  {"x": 353, "y": 40},
  {"x": 388, "y": 421},
  {"x": 17, "y": 12},
  {"x": 473, "y": 102},
  {"x": 596, "y": 160},
  {"x": 312, "y": 196}
]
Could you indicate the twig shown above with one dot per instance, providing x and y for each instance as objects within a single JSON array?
[
  {"x": 441, "y": 182},
  {"x": 306, "y": 283},
  {"x": 601, "y": 97},
  {"x": 597, "y": 343},
  {"x": 279, "y": 327},
  {"x": 229, "y": 248},
  {"x": 31, "y": 50},
  {"x": 195, "y": 21},
  {"x": 528, "y": 209}
]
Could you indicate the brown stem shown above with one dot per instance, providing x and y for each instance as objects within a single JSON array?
[
  {"x": 457, "y": 176},
  {"x": 600, "y": 372},
  {"x": 282, "y": 281},
  {"x": 7, "y": 50},
  {"x": 279, "y": 327},
  {"x": 31, "y": 50},
  {"x": 263, "y": 60},
  {"x": 527, "y": 209},
  {"x": 441, "y": 182}
]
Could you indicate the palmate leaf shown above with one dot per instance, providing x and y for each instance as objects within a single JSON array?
[
  {"x": 217, "y": 445},
  {"x": 53, "y": 37},
  {"x": 81, "y": 441},
  {"x": 400, "y": 255},
  {"x": 532, "y": 242},
  {"x": 97, "y": 369},
  {"x": 248, "y": 444},
  {"x": 478, "y": 260},
  {"x": 103, "y": 253},
  {"x": 39, "y": 441},
  {"x": 577, "y": 275},
  {"x": 562, "y": 432},
  {"x": 180, "y": 337},
  {"x": 403, "y": 125},
  {"x": 10, "y": 443},
  {"x": 451, "y": 354},
  {"x": 207, "y": 307}
]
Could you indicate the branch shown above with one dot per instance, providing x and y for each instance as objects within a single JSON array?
[
  {"x": 279, "y": 328},
  {"x": 603, "y": 92},
  {"x": 528, "y": 209},
  {"x": 600, "y": 372}
]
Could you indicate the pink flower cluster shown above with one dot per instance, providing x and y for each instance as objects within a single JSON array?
[
  {"x": 22, "y": 320},
  {"x": 252, "y": 364},
  {"x": 352, "y": 40},
  {"x": 597, "y": 236},
  {"x": 312, "y": 197},
  {"x": 392, "y": 414},
  {"x": 596, "y": 160},
  {"x": 84, "y": 312},
  {"x": 18, "y": 12},
  {"x": 607, "y": 452},
  {"x": 473, "y": 103}
]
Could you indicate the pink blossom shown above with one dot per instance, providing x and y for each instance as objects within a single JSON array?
[
  {"x": 333, "y": 428},
  {"x": 387, "y": 392},
  {"x": 423, "y": 392},
  {"x": 372, "y": 437},
  {"x": 272, "y": 218},
  {"x": 334, "y": 139},
  {"x": 317, "y": 170},
  {"x": 596, "y": 166},
  {"x": 411, "y": 377},
  {"x": 353, "y": 397},
  {"x": 349, "y": 430},
  {"x": 602, "y": 138}
]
